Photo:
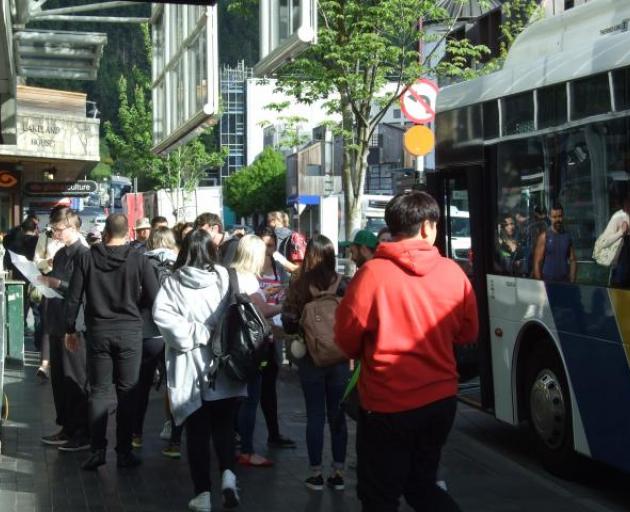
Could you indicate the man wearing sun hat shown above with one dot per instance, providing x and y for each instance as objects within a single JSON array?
[
  {"x": 362, "y": 247},
  {"x": 142, "y": 230}
]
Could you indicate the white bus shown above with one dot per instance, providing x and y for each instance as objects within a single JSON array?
[{"x": 551, "y": 128}]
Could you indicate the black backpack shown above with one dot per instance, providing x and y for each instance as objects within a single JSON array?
[{"x": 241, "y": 341}]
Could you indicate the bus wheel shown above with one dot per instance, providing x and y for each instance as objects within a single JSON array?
[{"x": 550, "y": 412}]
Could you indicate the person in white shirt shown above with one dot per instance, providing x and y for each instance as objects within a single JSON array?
[{"x": 248, "y": 263}]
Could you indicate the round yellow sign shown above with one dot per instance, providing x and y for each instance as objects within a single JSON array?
[{"x": 419, "y": 140}]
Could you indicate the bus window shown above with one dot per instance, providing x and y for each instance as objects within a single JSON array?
[
  {"x": 521, "y": 202},
  {"x": 552, "y": 106},
  {"x": 518, "y": 113},
  {"x": 590, "y": 96},
  {"x": 589, "y": 176},
  {"x": 490, "y": 119},
  {"x": 621, "y": 81}
]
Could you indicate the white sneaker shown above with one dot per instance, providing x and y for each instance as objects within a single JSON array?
[
  {"x": 166, "y": 431},
  {"x": 229, "y": 490},
  {"x": 200, "y": 503},
  {"x": 442, "y": 485}
]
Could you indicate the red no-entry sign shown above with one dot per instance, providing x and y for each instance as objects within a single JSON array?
[{"x": 418, "y": 101}]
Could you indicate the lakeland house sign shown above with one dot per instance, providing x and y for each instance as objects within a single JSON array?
[{"x": 60, "y": 188}]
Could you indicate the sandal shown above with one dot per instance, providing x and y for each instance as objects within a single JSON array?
[{"x": 254, "y": 460}]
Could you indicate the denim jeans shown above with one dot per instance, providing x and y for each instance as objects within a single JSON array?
[
  {"x": 247, "y": 414},
  {"x": 323, "y": 390}
]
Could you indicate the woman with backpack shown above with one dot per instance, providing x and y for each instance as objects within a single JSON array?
[
  {"x": 161, "y": 252},
  {"x": 323, "y": 386},
  {"x": 187, "y": 310},
  {"x": 248, "y": 264}
]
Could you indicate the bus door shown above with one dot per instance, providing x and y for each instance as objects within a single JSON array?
[{"x": 462, "y": 237}]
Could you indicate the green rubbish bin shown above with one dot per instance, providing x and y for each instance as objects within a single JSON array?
[{"x": 14, "y": 320}]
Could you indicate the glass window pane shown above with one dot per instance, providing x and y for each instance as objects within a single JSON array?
[
  {"x": 490, "y": 119},
  {"x": 521, "y": 205},
  {"x": 552, "y": 106},
  {"x": 518, "y": 113},
  {"x": 621, "y": 81},
  {"x": 591, "y": 96}
]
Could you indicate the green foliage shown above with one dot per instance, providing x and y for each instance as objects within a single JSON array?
[
  {"x": 258, "y": 188},
  {"x": 364, "y": 45},
  {"x": 101, "y": 172},
  {"x": 131, "y": 144},
  {"x": 291, "y": 134},
  {"x": 517, "y": 15},
  {"x": 185, "y": 166}
]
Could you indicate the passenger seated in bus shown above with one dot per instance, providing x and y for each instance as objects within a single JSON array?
[
  {"x": 509, "y": 251},
  {"x": 554, "y": 255}
]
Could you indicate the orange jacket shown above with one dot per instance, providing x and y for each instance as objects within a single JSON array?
[{"x": 401, "y": 315}]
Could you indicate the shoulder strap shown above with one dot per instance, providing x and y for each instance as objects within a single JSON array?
[{"x": 233, "y": 281}]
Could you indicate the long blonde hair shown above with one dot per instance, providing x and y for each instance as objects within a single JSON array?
[{"x": 250, "y": 255}]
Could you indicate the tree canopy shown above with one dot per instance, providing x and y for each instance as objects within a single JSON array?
[{"x": 258, "y": 188}]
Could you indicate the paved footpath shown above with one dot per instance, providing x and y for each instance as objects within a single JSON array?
[{"x": 38, "y": 478}]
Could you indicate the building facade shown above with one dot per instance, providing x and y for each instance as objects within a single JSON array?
[{"x": 232, "y": 125}]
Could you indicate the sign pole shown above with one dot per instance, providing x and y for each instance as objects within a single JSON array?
[{"x": 420, "y": 159}]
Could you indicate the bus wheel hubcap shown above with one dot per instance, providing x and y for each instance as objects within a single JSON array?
[{"x": 548, "y": 408}]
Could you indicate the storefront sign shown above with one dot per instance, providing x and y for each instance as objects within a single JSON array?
[
  {"x": 8, "y": 180},
  {"x": 60, "y": 188},
  {"x": 45, "y": 136}
]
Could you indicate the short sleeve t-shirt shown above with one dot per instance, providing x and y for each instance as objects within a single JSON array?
[{"x": 248, "y": 283}]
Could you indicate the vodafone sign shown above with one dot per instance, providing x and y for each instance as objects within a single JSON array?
[{"x": 418, "y": 101}]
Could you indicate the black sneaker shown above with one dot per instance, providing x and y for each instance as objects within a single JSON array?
[
  {"x": 128, "y": 460},
  {"x": 281, "y": 442},
  {"x": 315, "y": 482},
  {"x": 336, "y": 482},
  {"x": 56, "y": 439},
  {"x": 96, "y": 459},
  {"x": 76, "y": 444}
]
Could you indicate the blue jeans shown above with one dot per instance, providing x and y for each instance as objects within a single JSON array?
[
  {"x": 323, "y": 390},
  {"x": 247, "y": 414}
]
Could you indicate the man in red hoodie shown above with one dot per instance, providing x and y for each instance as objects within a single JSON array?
[{"x": 401, "y": 315}]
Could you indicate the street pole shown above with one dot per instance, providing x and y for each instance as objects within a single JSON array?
[{"x": 420, "y": 159}]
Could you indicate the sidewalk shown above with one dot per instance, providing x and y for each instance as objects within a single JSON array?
[{"x": 34, "y": 477}]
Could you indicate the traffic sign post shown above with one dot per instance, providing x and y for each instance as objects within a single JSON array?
[{"x": 418, "y": 101}]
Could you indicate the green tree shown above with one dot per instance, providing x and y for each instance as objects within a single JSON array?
[
  {"x": 258, "y": 188},
  {"x": 363, "y": 46},
  {"x": 131, "y": 144}
]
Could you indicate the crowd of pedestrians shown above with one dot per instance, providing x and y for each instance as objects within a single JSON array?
[{"x": 133, "y": 313}]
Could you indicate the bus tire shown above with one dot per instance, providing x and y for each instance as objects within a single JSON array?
[{"x": 549, "y": 406}]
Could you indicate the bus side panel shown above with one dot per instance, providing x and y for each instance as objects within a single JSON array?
[
  {"x": 515, "y": 303},
  {"x": 588, "y": 321}
]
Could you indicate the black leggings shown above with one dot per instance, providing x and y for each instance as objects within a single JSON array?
[
  {"x": 269, "y": 398},
  {"x": 152, "y": 353},
  {"x": 213, "y": 419}
]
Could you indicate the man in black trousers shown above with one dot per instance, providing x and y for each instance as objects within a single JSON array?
[
  {"x": 68, "y": 374},
  {"x": 115, "y": 279}
]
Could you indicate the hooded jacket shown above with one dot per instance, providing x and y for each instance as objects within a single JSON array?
[
  {"x": 186, "y": 311},
  {"x": 401, "y": 315},
  {"x": 114, "y": 279}
]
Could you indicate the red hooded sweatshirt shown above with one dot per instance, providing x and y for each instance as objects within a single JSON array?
[{"x": 401, "y": 315}]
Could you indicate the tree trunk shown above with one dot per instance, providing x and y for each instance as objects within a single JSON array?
[{"x": 355, "y": 164}]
